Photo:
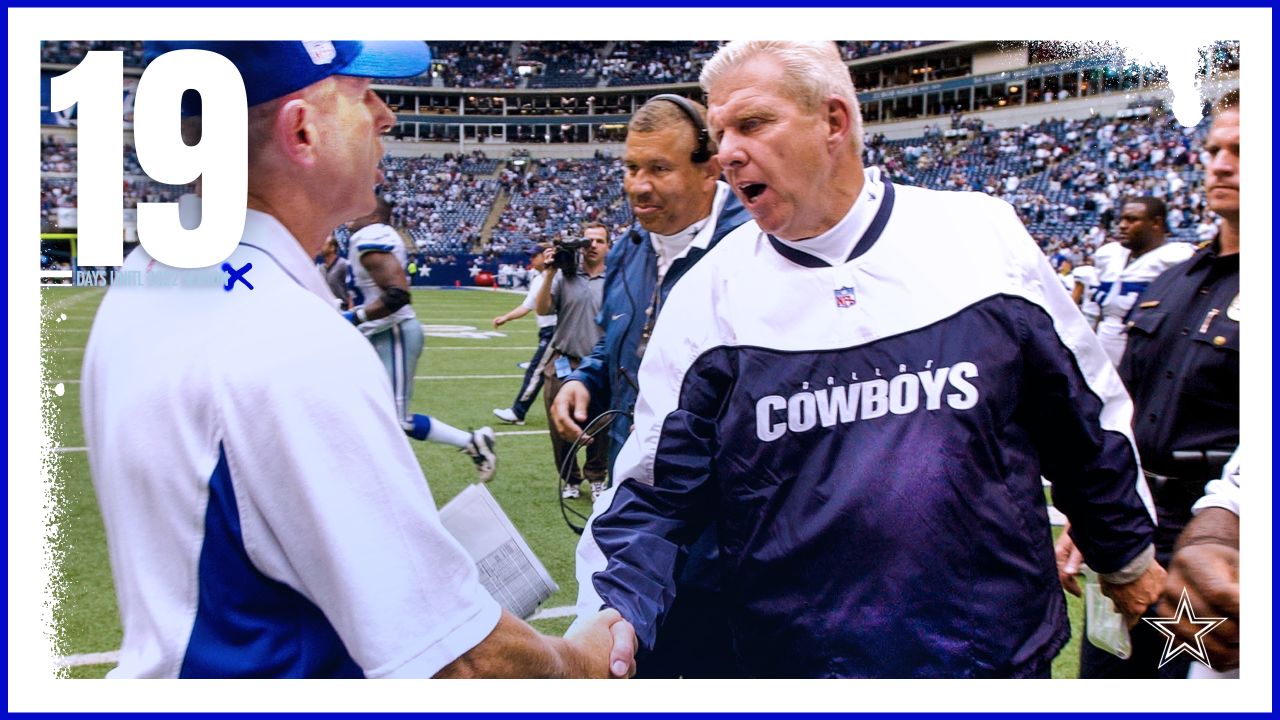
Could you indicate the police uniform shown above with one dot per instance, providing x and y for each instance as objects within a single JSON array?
[
  {"x": 868, "y": 436},
  {"x": 1182, "y": 367},
  {"x": 263, "y": 520},
  {"x": 397, "y": 338},
  {"x": 1183, "y": 370}
]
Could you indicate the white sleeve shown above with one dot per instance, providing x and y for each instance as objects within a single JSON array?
[
  {"x": 374, "y": 238},
  {"x": 688, "y": 319},
  {"x": 531, "y": 297},
  {"x": 332, "y": 503},
  {"x": 1225, "y": 491},
  {"x": 589, "y": 560}
]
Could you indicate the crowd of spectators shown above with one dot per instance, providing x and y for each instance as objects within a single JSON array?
[
  {"x": 474, "y": 64},
  {"x": 57, "y": 155},
  {"x": 857, "y": 49},
  {"x": 563, "y": 64},
  {"x": 652, "y": 63},
  {"x": 71, "y": 52},
  {"x": 442, "y": 203},
  {"x": 551, "y": 197},
  {"x": 1066, "y": 178}
]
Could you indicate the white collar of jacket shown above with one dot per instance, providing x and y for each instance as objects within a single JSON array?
[{"x": 837, "y": 244}]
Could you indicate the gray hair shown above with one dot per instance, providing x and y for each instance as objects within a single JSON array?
[{"x": 812, "y": 71}]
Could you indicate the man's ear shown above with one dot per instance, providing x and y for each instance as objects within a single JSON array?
[
  {"x": 839, "y": 121},
  {"x": 295, "y": 132}
]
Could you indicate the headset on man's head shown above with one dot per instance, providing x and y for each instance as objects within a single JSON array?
[{"x": 702, "y": 152}]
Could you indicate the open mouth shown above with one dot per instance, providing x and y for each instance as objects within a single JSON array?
[{"x": 751, "y": 191}]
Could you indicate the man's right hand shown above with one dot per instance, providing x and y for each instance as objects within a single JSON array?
[
  {"x": 569, "y": 411},
  {"x": 604, "y": 646}
]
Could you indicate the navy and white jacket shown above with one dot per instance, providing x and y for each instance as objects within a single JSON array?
[
  {"x": 869, "y": 440},
  {"x": 631, "y": 271}
]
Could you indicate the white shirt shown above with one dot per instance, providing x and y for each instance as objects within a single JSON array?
[
  {"x": 531, "y": 301},
  {"x": 1224, "y": 492},
  {"x": 244, "y": 450}
]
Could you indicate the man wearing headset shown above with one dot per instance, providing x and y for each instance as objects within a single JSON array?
[{"x": 683, "y": 210}]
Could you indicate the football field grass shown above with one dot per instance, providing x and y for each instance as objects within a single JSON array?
[{"x": 465, "y": 373}]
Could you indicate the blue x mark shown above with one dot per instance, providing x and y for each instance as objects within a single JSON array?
[{"x": 234, "y": 275}]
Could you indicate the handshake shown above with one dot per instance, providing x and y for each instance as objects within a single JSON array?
[
  {"x": 600, "y": 646},
  {"x": 604, "y": 645}
]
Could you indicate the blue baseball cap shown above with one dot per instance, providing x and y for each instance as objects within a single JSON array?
[{"x": 276, "y": 68}]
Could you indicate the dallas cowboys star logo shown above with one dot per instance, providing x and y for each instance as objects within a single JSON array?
[{"x": 1183, "y": 614}]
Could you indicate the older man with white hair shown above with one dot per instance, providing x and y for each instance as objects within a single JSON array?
[{"x": 866, "y": 432}]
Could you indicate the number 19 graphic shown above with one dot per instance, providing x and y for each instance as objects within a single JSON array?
[{"x": 219, "y": 159}]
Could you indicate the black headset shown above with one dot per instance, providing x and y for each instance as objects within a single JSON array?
[{"x": 702, "y": 153}]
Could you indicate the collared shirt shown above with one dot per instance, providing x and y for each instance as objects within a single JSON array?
[
  {"x": 670, "y": 248},
  {"x": 577, "y": 303},
  {"x": 263, "y": 520}
]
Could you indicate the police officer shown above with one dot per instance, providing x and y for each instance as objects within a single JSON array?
[{"x": 1182, "y": 367}]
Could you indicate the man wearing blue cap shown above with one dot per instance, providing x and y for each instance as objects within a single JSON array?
[{"x": 261, "y": 521}]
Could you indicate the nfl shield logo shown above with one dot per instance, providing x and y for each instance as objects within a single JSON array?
[
  {"x": 844, "y": 297},
  {"x": 322, "y": 52}
]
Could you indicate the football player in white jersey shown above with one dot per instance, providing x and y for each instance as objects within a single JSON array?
[
  {"x": 1086, "y": 282},
  {"x": 384, "y": 314},
  {"x": 1143, "y": 254}
]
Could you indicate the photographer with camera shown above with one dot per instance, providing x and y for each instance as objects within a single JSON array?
[{"x": 573, "y": 288}]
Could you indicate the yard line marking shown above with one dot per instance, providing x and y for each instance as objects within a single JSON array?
[
  {"x": 66, "y": 302},
  {"x": 415, "y": 377},
  {"x": 525, "y": 348},
  {"x": 555, "y": 612},
  {"x": 504, "y": 433},
  {"x": 101, "y": 658}
]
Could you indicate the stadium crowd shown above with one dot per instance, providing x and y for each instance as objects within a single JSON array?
[
  {"x": 1063, "y": 176},
  {"x": 554, "y": 64}
]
